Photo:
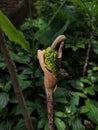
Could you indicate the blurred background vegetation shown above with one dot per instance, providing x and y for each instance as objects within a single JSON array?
[{"x": 75, "y": 99}]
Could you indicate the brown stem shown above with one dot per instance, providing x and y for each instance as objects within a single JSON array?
[
  {"x": 12, "y": 71},
  {"x": 50, "y": 107}
]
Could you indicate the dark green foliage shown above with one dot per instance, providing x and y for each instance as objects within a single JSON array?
[{"x": 75, "y": 99}]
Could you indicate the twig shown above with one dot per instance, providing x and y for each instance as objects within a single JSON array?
[
  {"x": 50, "y": 81},
  {"x": 12, "y": 71},
  {"x": 88, "y": 50},
  {"x": 86, "y": 59}
]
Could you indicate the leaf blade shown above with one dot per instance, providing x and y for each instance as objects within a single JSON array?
[{"x": 12, "y": 33}]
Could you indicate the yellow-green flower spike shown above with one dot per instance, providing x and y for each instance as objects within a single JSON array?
[{"x": 51, "y": 60}]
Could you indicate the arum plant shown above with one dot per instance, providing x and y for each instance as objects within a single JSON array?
[{"x": 50, "y": 62}]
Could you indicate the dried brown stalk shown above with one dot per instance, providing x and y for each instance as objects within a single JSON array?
[
  {"x": 12, "y": 71},
  {"x": 86, "y": 59},
  {"x": 50, "y": 81},
  {"x": 88, "y": 50}
]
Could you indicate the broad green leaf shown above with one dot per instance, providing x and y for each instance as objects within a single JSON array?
[
  {"x": 95, "y": 68},
  {"x": 61, "y": 100},
  {"x": 63, "y": 29},
  {"x": 93, "y": 111},
  {"x": 95, "y": 46},
  {"x": 12, "y": 33},
  {"x": 59, "y": 92},
  {"x": 6, "y": 125},
  {"x": 13, "y": 99},
  {"x": 89, "y": 90},
  {"x": 77, "y": 84},
  {"x": 85, "y": 80},
  {"x": 59, "y": 124},
  {"x": 46, "y": 126},
  {"x": 17, "y": 110},
  {"x": 24, "y": 82},
  {"x": 79, "y": 94},
  {"x": 7, "y": 86},
  {"x": 4, "y": 99},
  {"x": 16, "y": 58},
  {"x": 41, "y": 123},
  {"x": 77, "y": 125},
  {"x": 2, "y": 65},
  {"x": 96, "y": 127},
  {"x": 84, "y": 109},
  {"x": 74, "y": 100},
  {"x": 1, "y": 86},
  {"x": 95, "y": 50},
  {"x": 60, "y": 114},
  {"x": 20, "y": 125}
]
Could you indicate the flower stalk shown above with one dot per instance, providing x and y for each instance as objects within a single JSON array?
[{"x": 50, "y": 80}]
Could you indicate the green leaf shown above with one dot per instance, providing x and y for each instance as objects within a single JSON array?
[
  {"x": 59, "y": 92},
  {"x": 4, "y": 99},
  {"x": 79, "y": 94},
  {"x": 93, "y": 112},
  {"x": 63, "y": 29},
  {"x": 60, "y": 114},
  {"x": 81, "y": 4},
  {"x": 61, "y": 100},
  {"x": 16, "y": 58},
  {"x": 24, "y": 82},
  {"x": 77, "y": 84},
  {"x": 1, "y": 86},
  {"x": 6, "y": 125},
  {"x": 84, "y": 109},
  {"x": 13, "y": 99},
  {"x": 95, "y": 46},
  {"x": 2, "y": 65},
  {"x": 89, "y": 90},
  {"x": 30, "y": 107},
  {"x": 7, "y": 86},
  {"x": 41, "y": 123},
  {"x": 77, "y": 125},
  {"x": 12, "y": 33},
  {"x": 85, "y": 80},
  {"x": 16, "y": 110},
  {"x": 96, "y": 127},
  {"x": 77, "y": 2},
  {"x": 20, "y": 125},
  {"x": 59, "y": 124},
  {"x": 95, "y": 68},
  {"x": 74, "y": 100},
  {"x": 46, "y": 126}
]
